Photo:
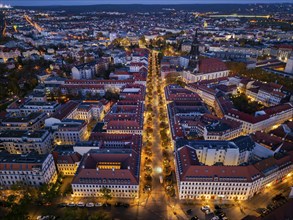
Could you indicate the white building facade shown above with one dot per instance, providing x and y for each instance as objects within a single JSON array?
[
  {"x": 31, "y": 169},
  {"x": 22, "y": 142}
]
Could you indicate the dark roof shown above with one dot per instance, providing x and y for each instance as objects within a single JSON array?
[
  {"x": 21, "y": 161},
  {"x": 65, "y": 110},
  {"x": 244, "y": 142}
]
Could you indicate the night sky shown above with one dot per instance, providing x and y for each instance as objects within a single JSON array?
[{"x": 91, "y": 2}]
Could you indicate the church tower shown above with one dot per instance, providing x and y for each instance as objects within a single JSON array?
[{"x": 194, "y": 54}]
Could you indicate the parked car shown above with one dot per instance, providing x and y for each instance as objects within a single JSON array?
[
  {"x": 205, "y": 207},
  {"x": 99, "y": 204},
  {"x": 90, "y": 205},
  {"x": 46, "y": 217},
  {"x": 265, "y": 211},
  {"x": 80, "y": 204},
  {"x": 61, "y": 205},
  {"x": 72, "y": 204},
  {"x": 207, "y": 212}
]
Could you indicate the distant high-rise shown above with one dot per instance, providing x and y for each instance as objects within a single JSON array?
[
  {"x": 194, "y": 54},
  {"x": 289, "y": 65}
]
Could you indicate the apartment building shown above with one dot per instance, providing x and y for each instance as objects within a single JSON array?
[
  {"x": 113, "y": 169},
  {"x": 197, "y": 181},
  {"x": 29, "y": 169},
  {"x": 32, "y": 121},
  {"x": 24, "y": 141},
  {"x": 125, "y": 117},
  {"x": 69, "y": 131},
  {"x": 228, "y": 153},
  {"x": 66, "y": 160},
  {"x": 264, "y": 120}
]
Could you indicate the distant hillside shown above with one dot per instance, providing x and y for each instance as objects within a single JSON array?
[{"x": 222, "y": 8}]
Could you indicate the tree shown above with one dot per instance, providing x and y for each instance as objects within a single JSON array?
[
  {"x": 88, "y": 95},
  {"x": 69, "y": 214},
  {"x": 111, "y": 95},
  {"x": 11, "y": 199},
  {"x": 148, "y": 178},
  {"x": 19, "y": 211},
  {"x": 242, "y": 103},
  {"x": 116, "y": 42},
  {"x": 163, "y": 125},
  {"x": 13, "y": 86},
  {"x": 48, "y": 192},
  {"x": 260, "y": 74},
  {"x": 99, "y": 35},
  {"x": 142, "y": 39},
  {"x": 160, "y": 57},
  {"x": 68, "y": 190},
  {"x": 99, "y": 216},
  {"x": 17, "y": 186},
  {"x": 106, "y": 193},
  {"x": 149, "y": 130}
]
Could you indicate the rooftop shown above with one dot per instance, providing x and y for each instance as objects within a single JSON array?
[
  {"x": 22, "y": 134},
  {"x": 29, "y": 159},
  {"x": 24, "y": 119},
  {"x": 90, "y": 171}
]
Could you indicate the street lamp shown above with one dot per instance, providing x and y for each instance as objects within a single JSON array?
[{"x": 159, "y": 169}]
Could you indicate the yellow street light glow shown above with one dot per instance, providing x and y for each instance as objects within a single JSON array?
[{"x": 159, "y": 169}]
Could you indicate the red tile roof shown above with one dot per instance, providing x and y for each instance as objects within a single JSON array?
[
  {"x": 128, "y": 174},
  {"x": 66, "y": 158},
  {"x": 190, "y": 170},
  {"x": 278, "y": 108},
  {"x": 209, "y": 65},
  {"x": 65, "y": 110}
]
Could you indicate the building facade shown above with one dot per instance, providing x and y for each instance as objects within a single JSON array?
[
  {"x": 24, "y": 141},
  {"x": 69, "y": 131},
  {"x": 113, "y": 169},
  {"x": 33, "y": 121},
  {"x": 29, "y": 169},
  {"x": 196, "y": 181}
]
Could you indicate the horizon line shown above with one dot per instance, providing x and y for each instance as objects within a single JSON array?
[{"x": 161, "y": 4}]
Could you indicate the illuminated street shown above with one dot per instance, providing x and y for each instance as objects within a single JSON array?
[{"x": 33, "y": 24}]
